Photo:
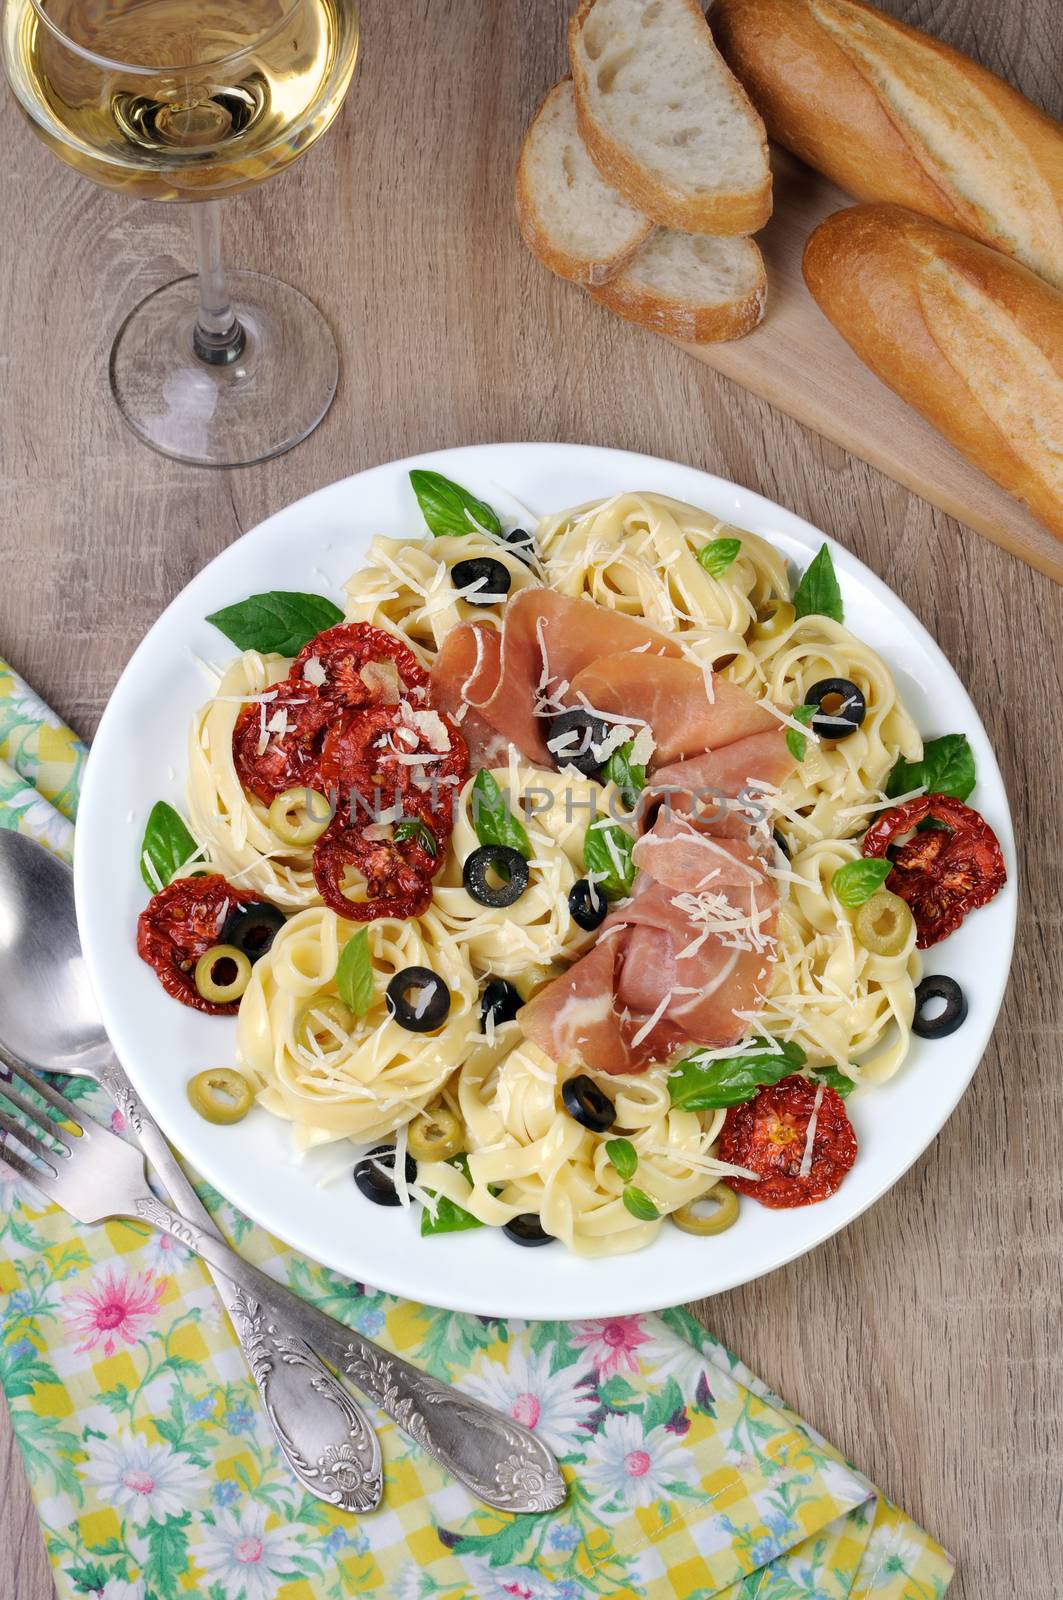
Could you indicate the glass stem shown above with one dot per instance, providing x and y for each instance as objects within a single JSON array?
[{"x": 217, "y": 337}]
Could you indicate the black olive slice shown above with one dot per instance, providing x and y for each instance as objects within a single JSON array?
[
  {"x": 573, "y": 738},
  {"x": 492, "y": 576},
  {"x": 253, "y": 928},
  {"x": 499, "y": 1000},
  {"x": 527, "y": 1230},
  {"x": 587, "y": 905},
  {"x": 782, "y": 844},
  {"x": 837, "y": 698},
  {"x": 523, "y": 543},
  {"x": 418, "y": 999},
  {"x": 500, "y": 862},
  {"x": 378, "y": 1185},
  {"x": 938, "y": 987},
  {"x": 587, "y": 1104}
]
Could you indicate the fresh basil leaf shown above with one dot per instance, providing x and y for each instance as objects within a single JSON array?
[
  {"x": 167, "y": 846},
  {"x": 623, "y": 1155},
  {"x": 796, "y": 742},
  {"x": 706, "y": 1086},
  {"x": 857, "y": 880},
  {"x": 414, "y": 828},
  {"x": 628, "y": 775},
  {"x": 354, "y": 973},
  {"x": 839, "y": 1081},
  {"x": 718, "y": 554},
  {"x": 607, "y": 850},
  {"x": 947, "y": 767},
  {"x": 640, "y": 1205},
  {"x": 492, "y": 819},
  {"x": 280, "y": 621},
  {"x": 448, "y": 508},
  {"x": 449, "y": 1217},
  {"x": 818, "y": 594}
]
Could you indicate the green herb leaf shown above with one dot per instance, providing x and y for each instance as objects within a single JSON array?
[
  {"x": 628, "y": 775},
  {"x": 640, "y": 1205},
  {"x": 354, "y": 973},
  {"x": 623, "y": 1155},
  {"x": 718, "y": 554},
  {"x": 607, "y": 849},
  {"x": 449, "y": 1217},
  {"x": 414, "y": 828},
  {"x": 947, "y": 767},
  {"x": 796, "y": 742},
  {"x": 167, "y": 846},
  {"x": 280, "y": 621},
  {"x": 857, "y": 880},
  {"x": 448, "y": 508},
  {"x": 707, "y": 1086},
  {"x": 839, "y": 1081},
  {"x": 818, "y": 594},
  {"x": 492, "y": 819}
]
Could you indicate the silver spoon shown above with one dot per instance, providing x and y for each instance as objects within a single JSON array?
[{"x": 48, "y": 1018}]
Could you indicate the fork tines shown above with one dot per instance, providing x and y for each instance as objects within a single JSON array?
[{"x": 37, "y": 1118}]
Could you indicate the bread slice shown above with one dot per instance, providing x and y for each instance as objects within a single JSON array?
[
  {"x": 569, "y": 216},
  {"x": 690, "y": 287},
  {"x": 663, "y": 117}
]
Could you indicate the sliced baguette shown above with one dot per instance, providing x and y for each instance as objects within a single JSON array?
[
  {"x": 570, "y": 218},
  {"x": 664, "y": 119},
  {"x": 689, "y": 286}
]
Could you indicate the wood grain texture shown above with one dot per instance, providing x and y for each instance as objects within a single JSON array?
[{"x": 925, "y": 1340}]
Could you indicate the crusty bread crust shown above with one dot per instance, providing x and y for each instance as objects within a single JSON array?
[
  {"x": 535, "y": 227},
  {"x": 818, "y": 102},
  {"x": 678, "y": 319},
  {"x": 740, "y": 212},
  {"x": 884, "y": 275}
]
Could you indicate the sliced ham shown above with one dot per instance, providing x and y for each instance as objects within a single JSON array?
[
  {"x": 547, "y": 639},
  {"x": 574, "y": 1017},
  {"x": 671, "y": 696},
  {"x": 719, "y": 789}
]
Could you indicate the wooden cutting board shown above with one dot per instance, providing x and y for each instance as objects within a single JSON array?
[{"x": 796, "y": 361}]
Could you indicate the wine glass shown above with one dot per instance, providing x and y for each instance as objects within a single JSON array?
[{"x": 190, "y": 100}]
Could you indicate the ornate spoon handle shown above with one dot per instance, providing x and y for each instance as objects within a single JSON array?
[
  {"x": 325, "y": 1436},
  {"x": 503, "y": 1463}
]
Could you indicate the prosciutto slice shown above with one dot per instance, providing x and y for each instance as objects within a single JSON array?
[
  {"x": 547, "y": 640},
  {"x": 702, "y": 786},
  {"x": 671, "y": 696}
]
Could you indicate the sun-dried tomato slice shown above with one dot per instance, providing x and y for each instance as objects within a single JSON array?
[
  {"x": 347, "y": 654},
  {"x": 289, "y": 759},
  {"x": 376, "y": 759},
  {"x": 944, "y": 872},
  {"x": 769, "y": 1134},
  {"x": 179, "y": 924},
  {"x": 398, "y": 875}
]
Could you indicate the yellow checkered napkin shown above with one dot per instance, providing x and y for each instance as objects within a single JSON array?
[{"x": 156, "y": 1477}]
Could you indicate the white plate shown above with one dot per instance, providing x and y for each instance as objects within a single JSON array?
[{"x": 139, "y": 757}]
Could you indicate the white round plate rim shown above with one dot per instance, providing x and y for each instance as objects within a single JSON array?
[{"x": 161, "y": 1044}]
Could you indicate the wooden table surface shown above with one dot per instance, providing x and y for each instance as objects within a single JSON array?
[{"x": 925, "y": 1341}]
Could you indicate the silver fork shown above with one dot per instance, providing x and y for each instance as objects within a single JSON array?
[{"x": 94, "y": 1175}]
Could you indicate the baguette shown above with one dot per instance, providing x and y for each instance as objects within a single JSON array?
[
  {"x": 970, "y": 338},
  {"x": 568, "y": 215},
  {"x": 690, "y": 287},
  {"x": 664, "y": 119},
  {"x": 889, "y": 114}
]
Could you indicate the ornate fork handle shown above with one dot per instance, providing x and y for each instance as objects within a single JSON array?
[
  {"x": 503, "y": 1463},
  {"x": 325, "y": 1436}
]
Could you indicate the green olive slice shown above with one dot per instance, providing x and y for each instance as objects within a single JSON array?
[
  {"x": 773, "y": 620},
  {"x": 300, "y": 816},
  {"x": 324, "y": 1025},
  {"x": 221, "y": 1095},
  {"x": 724, "y": 1215},
  {"x": 222, "y": 974},
  {"x": 884, "y": 924},
  {"x": 435, "y": 1135}
]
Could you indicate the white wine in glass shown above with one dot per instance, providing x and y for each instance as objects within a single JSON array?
[{"x": 193, "y": 100}]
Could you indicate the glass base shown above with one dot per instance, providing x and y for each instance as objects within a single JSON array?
[{"x": 273, "y": 395}]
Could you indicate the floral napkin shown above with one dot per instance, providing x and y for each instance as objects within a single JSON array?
[{"x": 156, "y": 1477}]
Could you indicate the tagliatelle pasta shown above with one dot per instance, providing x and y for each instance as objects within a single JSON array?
[{"x": 339, "y": 1061}]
